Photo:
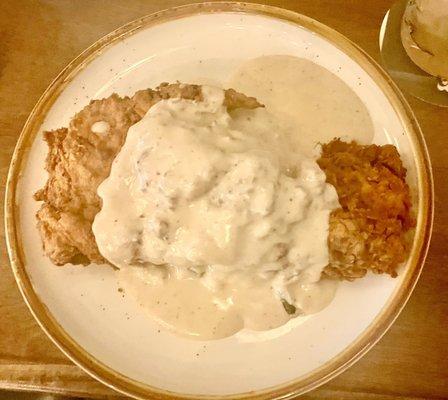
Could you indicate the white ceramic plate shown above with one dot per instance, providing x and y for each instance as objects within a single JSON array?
[{"x": 109, "y": 335}]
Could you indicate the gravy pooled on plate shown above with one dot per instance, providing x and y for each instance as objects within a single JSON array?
[{"x": 317, "y": 104}]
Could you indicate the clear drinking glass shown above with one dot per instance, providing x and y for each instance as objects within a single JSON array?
[{"x": 414, "y": 48}]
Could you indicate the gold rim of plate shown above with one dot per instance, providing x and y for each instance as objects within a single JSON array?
[{"x": 302, "y": 384}]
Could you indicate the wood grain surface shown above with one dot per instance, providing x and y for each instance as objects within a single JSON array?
[{"x": 38, "y": 38}]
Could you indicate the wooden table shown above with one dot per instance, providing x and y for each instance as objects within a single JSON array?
[{"x": 38, "y": 38}]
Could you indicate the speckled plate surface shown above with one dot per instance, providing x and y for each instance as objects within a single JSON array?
[{"x": 108, "y": 334}]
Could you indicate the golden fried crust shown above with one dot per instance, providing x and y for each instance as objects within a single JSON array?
[
  {"x": 79, "y": 160},
  {"x": 368, "y": 231}
]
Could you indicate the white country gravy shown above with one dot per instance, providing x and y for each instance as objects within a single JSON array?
[
  {"x": 319, "y": 105},
  {"x": 219, "y": 222},
  {"x": 219, "y": 214}
]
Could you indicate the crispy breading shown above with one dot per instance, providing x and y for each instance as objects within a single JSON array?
[
  {"x": 368, "y": 232},
  {"x": 79, "y": 160}
]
